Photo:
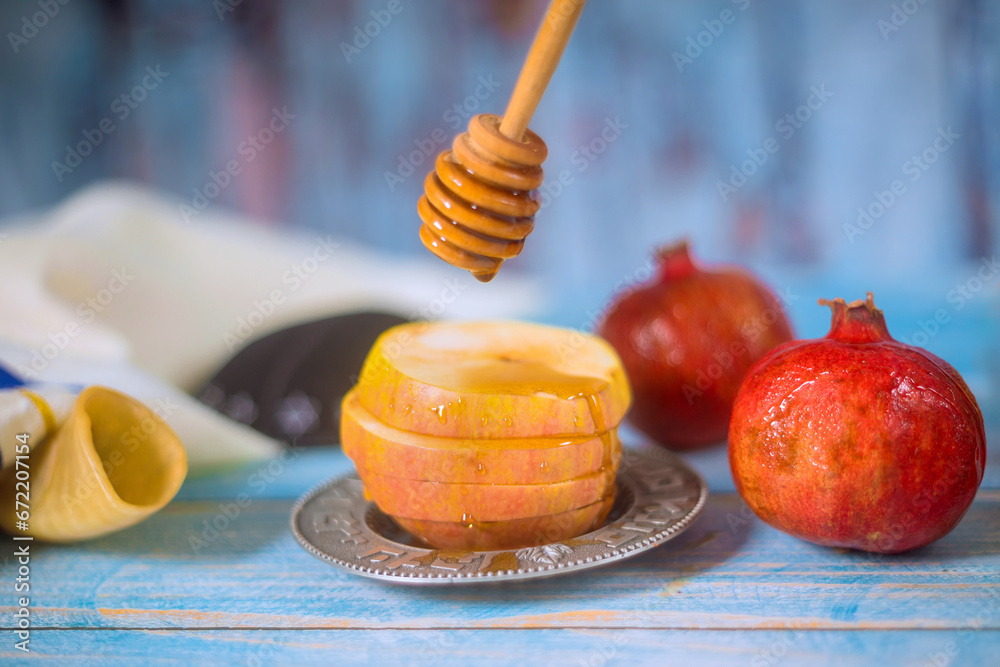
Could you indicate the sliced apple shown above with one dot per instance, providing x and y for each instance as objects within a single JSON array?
[
  {"x": 470, "y": 503},
  {"x": 391, "y": 452},
  {"x": 493, "y": 380},
  {"x": 512, "y": 534}
]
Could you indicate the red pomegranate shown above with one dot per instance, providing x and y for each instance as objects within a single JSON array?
[
  {"x": 686, "y": 339},
  {"x": 856, "y": 440}
]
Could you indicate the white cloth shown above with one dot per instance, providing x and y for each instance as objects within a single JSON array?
[
  {"x": 24, "y": 422},
  {"x": 114, "y": 288},
  {"x": 176, "y": 293},
  {"x": 213, "y": 441}
]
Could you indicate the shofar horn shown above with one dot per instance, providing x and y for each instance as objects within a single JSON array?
[{"x": 113, "y": 463}]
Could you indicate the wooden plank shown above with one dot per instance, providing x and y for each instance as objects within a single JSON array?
[
  {"x": 768, "y": 648},
  {"x": 728, "y": 571}
]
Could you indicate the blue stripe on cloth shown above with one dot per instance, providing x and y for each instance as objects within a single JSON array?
[{"x": 8, "y": 379}]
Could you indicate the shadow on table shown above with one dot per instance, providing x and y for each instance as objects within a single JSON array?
[
  {"x": 971, "y": 546},
  {"x": 712, "y": 539},
  {"x": 203, "y": 530}
]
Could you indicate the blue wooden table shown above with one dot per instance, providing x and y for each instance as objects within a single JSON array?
[{"x": 731, "y": 590}]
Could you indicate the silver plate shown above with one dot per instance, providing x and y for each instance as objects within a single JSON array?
[{"x": 658, "y": 496}]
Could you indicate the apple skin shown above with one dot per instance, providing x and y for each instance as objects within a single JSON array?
[
  {"x": 395, "y": 453},
  {"x": 482, "y": 435},
  {"x": 863, "y": 442},
  {"x": 511, "y": 534},
  {"x": 412, "y": 404},
  {"x": 468, "y": 503}
]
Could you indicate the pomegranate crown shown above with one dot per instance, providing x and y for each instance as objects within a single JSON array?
[
  {"x": 856, "y": 322},
  {"x": 674, "y": 260}
]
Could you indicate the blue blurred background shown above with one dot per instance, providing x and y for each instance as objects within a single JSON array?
[{"x": 834, "y": 147}]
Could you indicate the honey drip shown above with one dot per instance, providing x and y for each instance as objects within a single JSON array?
[
  {"x": 511, "y": 375},
  {"x": 479, "y": 202},
  {"x": 600, "y": 429}
]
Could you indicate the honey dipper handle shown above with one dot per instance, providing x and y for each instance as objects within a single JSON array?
[{"x": 541, "y": 62}]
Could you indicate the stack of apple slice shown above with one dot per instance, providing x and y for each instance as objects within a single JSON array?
[{"x": 488, "y": 435}]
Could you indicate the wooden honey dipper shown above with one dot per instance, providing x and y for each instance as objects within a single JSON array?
[{"x": 479, "y": 202}]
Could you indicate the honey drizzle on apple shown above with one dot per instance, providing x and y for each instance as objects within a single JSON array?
[
  {"x": 600, "y": 429},
  {"x": 508, "y": 374}
]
